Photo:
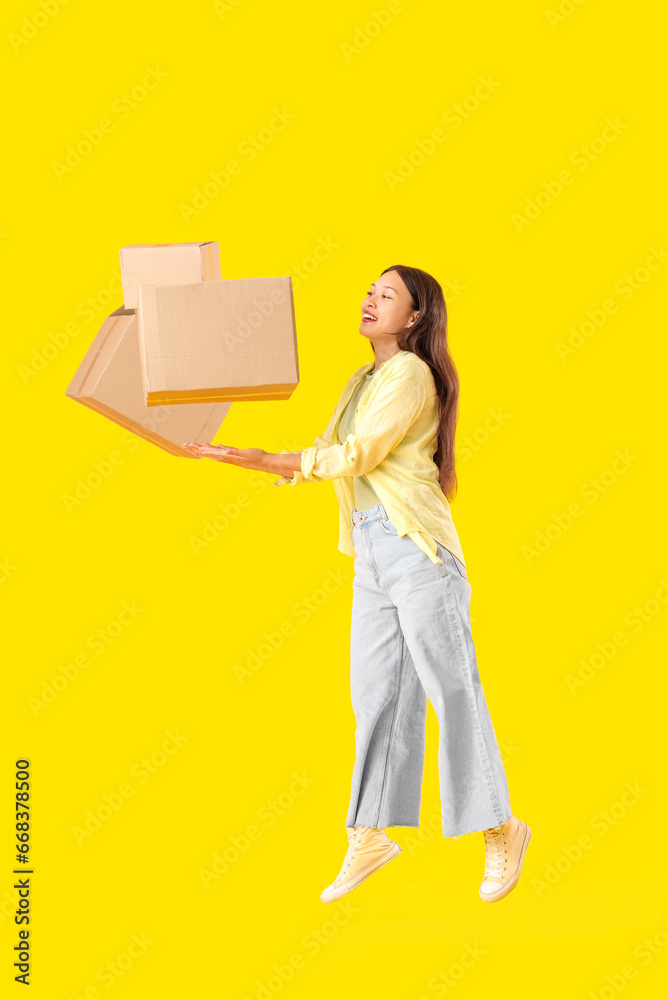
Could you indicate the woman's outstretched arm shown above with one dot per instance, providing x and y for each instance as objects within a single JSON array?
[
  {"x": 284, "y": 463},
  {"x": 287, "y": 464}
]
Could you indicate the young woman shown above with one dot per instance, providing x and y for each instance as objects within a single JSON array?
[{"x": 389, "y": 449}]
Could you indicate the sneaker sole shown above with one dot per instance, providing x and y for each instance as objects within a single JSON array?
[
  {"x": 349, "y": 886},
  {"x": 489, "y": 897}
]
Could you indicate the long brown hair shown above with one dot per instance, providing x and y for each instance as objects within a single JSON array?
[{"x": 427, "y": 338}]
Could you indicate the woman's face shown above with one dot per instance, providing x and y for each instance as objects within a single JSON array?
[{"x": 387, "y": 308}]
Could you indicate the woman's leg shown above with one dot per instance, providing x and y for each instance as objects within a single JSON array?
[
  {"x": 433, "y": 603},
  {"x": 389, "y": 705}
]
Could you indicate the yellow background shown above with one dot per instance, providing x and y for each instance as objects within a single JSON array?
[{"x": 571, "y": 925}]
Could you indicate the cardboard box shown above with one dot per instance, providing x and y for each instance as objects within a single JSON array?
[
  {"x": 109, "y": 380},
  {"x": 166, "y": 264},
  {"x": 229, "y": 340}
]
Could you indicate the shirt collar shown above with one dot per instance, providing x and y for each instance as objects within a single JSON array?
[{"x": 371, "y": 364}]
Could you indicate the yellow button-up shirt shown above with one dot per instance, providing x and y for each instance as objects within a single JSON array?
[{"x": 395, "y": 438}]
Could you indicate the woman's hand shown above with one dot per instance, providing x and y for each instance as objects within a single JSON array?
[
  {"x": 283, "y": 464},
  {"x": 246, "y": 458}
]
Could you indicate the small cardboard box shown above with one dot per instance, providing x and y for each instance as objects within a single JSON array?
[
  {"x": 166, "y": 264},
  {"x": 228, "y": 340},
  {"x": 109, "y": 380}
]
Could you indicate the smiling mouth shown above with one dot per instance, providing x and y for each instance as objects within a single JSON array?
[{"x": 368, "y": 318}]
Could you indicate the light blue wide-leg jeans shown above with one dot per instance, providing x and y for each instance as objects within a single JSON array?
[{"x": 411, "y": 641}]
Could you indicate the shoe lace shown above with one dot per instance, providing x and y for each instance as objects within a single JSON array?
[
  {"x": 355, "y": 841},
  {"x": 494, "y": 839}
]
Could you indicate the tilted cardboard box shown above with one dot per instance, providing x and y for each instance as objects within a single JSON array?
[
  {"x": 220, "y": 341},
  {"x": 109, "y": 380},
  {"x": 166, "y": 264}
]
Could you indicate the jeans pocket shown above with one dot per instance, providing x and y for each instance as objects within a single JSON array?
[
  {"x": 388, "y": 527},
  {"x": 450, "y": 560},
  {"x": 460, "y": 568}
]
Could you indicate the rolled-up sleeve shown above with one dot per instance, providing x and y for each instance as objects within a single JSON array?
[
  {"x": 297, "y": 476},
  {"x": 385, "y": 422}
]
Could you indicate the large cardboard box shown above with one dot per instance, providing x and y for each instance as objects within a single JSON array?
[
  {"x": 166, "y": 264},
  {"x": 220, "y": 341},
  {"x": 109, "y": 380}
]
